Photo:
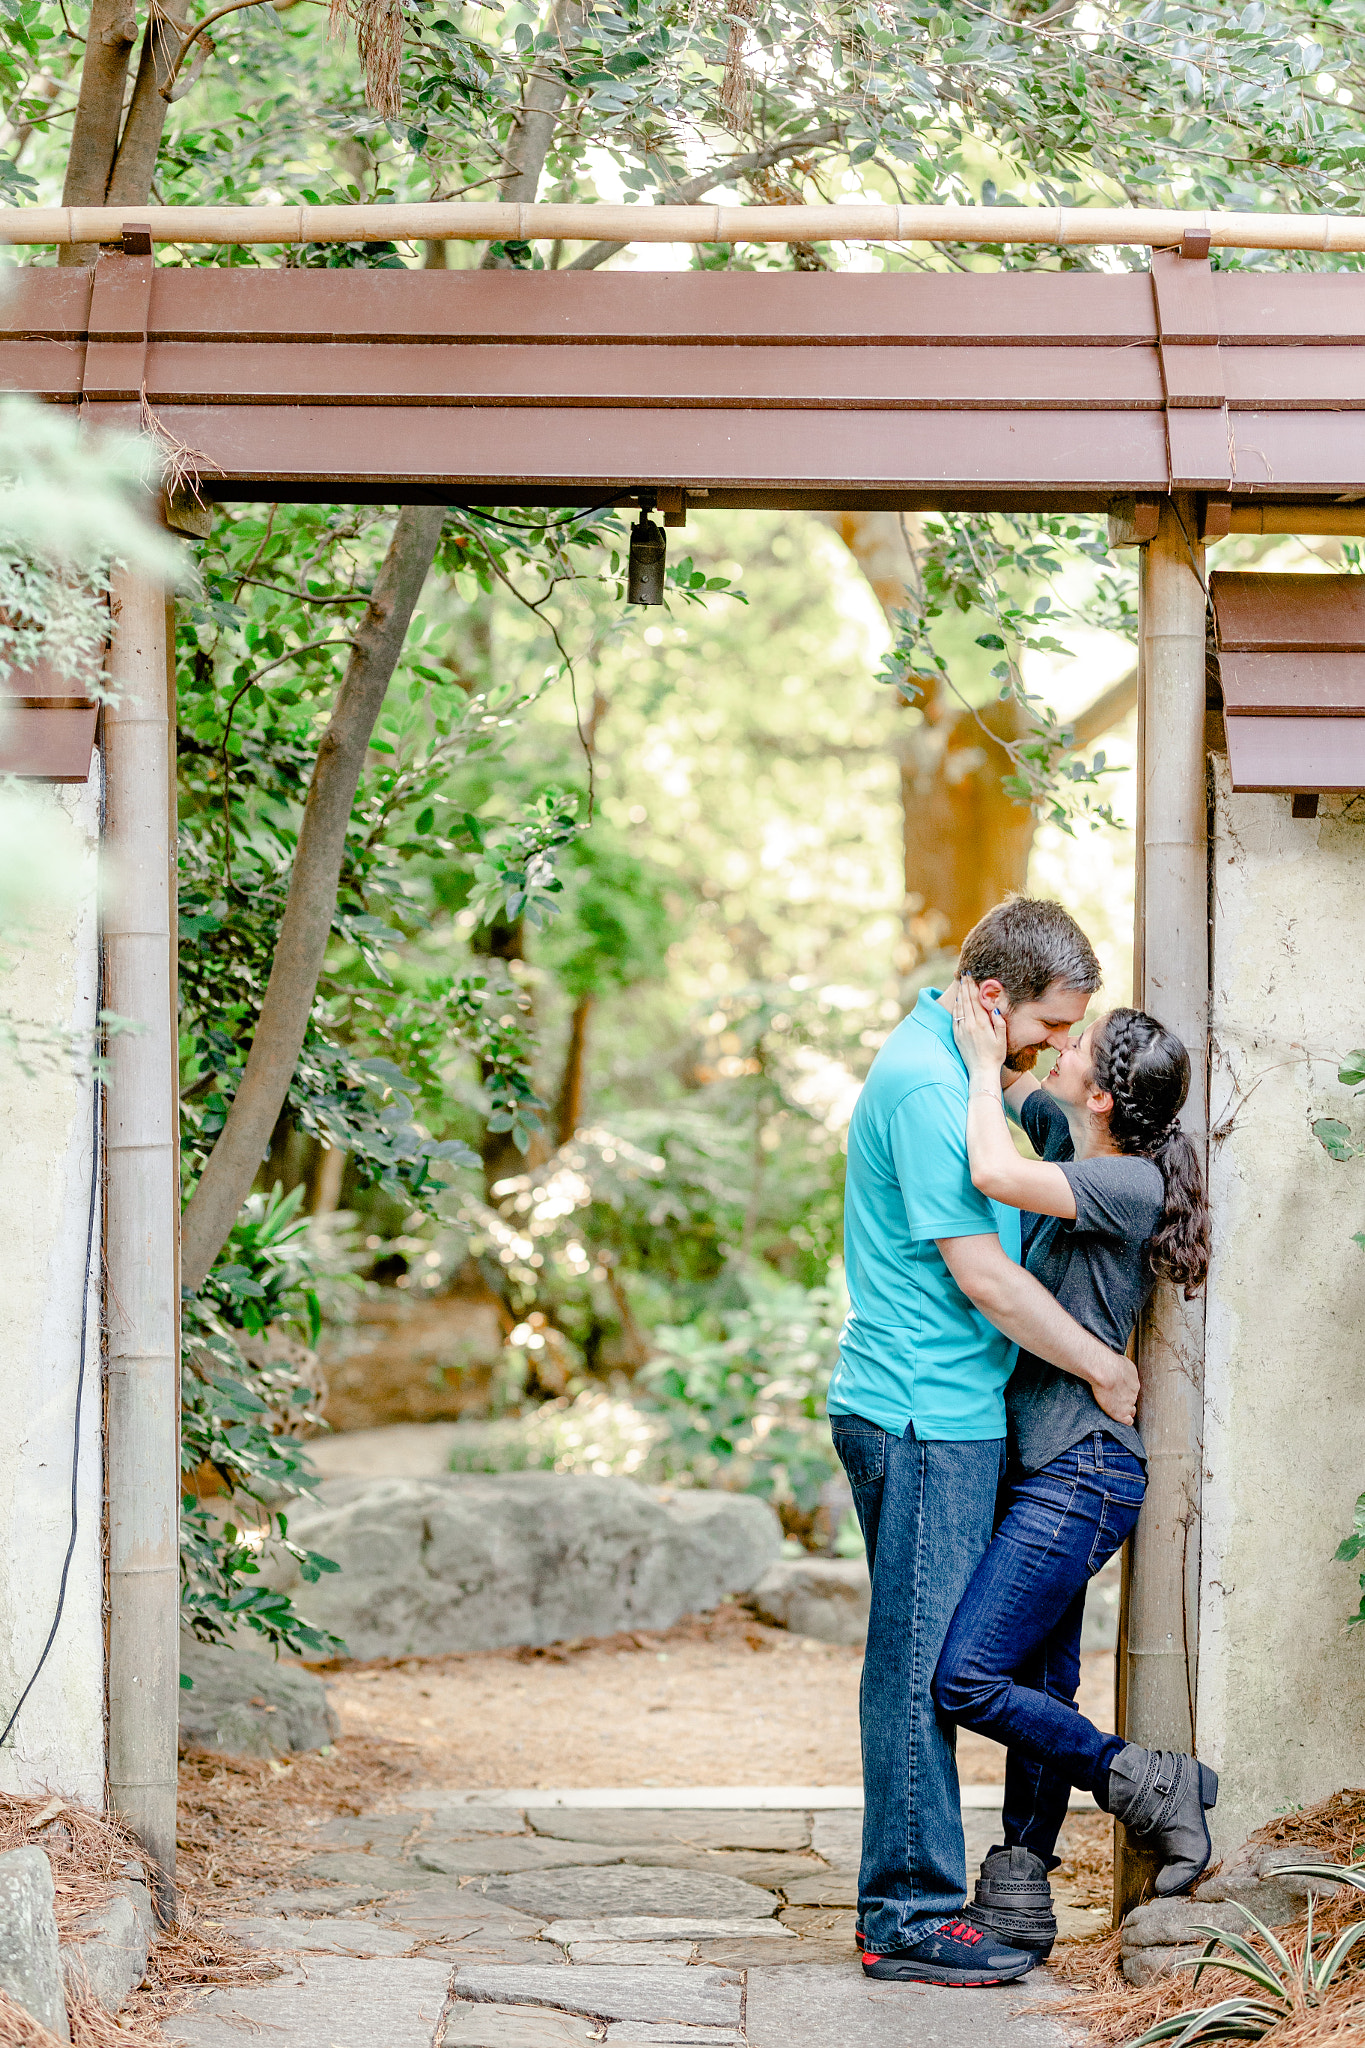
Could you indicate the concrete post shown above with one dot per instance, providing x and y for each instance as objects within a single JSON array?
[
  {"x": 142, "y": 1229},
  {"x": 1160, "y": 1634},
  {"x": 50, "y": 1190}
]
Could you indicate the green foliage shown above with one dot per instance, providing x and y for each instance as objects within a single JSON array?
[
  {"x": 240, "y": 1429},
  {"x": 68, "y": 513},
  {"x": 1335, "y": 1138},
  {"x": 743, "y": 1395},
  {"x": 1289, "y": 1984},
  {"x": 616, "y": 923},
  {"x": 1349, "y": 1549},
  {"x": 514, "y": 873},
  {"x": 1007, "y": 570},
  {"x": 734, "y": 1399},
  {"x": 599, "y": 1431}
]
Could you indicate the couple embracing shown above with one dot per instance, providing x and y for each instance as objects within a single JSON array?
[{"x": 983, "y": 1409}]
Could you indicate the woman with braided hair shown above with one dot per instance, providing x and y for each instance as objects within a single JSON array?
[{"x": 1114, "y": 1201}]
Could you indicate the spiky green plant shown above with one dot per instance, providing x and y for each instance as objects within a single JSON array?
[{"x": 1287, "y": 1983}]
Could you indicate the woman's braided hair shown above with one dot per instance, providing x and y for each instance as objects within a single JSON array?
[{"x": 1146, "y": 1069}]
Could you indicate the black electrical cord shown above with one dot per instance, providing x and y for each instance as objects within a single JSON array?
[
  {"x": 97, "y": 1087},
  {"x": 533, "y": 526}
]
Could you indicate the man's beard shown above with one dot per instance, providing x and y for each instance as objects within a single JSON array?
[{"x": 1023, "y": 1061}]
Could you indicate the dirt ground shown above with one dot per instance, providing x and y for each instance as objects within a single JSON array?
[{"x": 715, "y": 1701}]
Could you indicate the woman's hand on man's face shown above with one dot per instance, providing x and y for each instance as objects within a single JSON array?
[{"x": 979, "y": 1031}]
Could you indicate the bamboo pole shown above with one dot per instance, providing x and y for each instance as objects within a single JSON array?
[
  {"x": 478, "y": 221},
  {"x": 142, "y": 1230},
  {"x": 1343, "y": 519},
  {"x": 1171, "y": 979}
]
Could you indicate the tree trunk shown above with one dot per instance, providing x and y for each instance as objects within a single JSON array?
[
  {"x": 110, "y": 33},
  {"x": 500, "y": 944},
  {"x": 967, "y": 843},
  {"x": 569, "y": 1108},
  {"x": 328, "y": 1176},
  {"x": 534, "y": 128},
  {"x": 135, "y": 164},
  {"x": 307, "y": 922}
]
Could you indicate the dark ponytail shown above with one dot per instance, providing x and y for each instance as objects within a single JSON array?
[{"x": 1146, "y": 1069}]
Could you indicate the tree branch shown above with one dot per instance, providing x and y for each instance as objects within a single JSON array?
[
  {"x": 307, "y": 923},
  {"x": 697, "y": 188},
  {"x": 186, "y": 42},
  {"x": 1109, "y": 709}
]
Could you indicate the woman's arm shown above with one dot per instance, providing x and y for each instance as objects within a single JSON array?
[
  {"x": 1018, "y": 1091},
  {"x": 997, "y": 1169}
]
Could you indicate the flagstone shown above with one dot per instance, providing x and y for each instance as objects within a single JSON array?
[
  {"x": 586, "y": 1893},
  {"x": 661, "y": 1992}
]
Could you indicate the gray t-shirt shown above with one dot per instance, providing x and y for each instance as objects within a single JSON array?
[{"x": 1097, "y": 1269}]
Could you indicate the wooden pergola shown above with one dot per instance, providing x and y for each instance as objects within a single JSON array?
[
  {"x": 1184, "y": 403},
  {"x": 1043, "y": 391}
]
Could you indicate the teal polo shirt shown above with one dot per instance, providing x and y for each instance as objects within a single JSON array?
[{"x": 914, "y": 1350}]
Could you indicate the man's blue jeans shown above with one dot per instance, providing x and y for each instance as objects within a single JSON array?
[
  {"x": 1011, "y": 1662},
  {"x": 926, "y": 1511}
]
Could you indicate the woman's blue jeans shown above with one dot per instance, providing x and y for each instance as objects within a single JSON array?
[
  {"x": 1011, "y": 1662},
  {"x": 926, "y": 1512}
]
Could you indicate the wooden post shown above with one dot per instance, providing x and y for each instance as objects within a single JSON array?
[
  {"x": 142, "y": 1230},
  {"x": 1160, "y": 1632}
]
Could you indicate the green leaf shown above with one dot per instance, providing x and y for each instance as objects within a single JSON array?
[{"x": 1334, "y": 1137}]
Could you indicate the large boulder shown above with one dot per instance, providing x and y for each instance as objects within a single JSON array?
[
  {"x": 106, "y": 1956},
  {"x": 825, "y": 1597},
  {"x": 244, "y": 1703},
  {"x": 483, "y": 1561},
  {"x": 1163, "y": 1935},
  {"x": 30, "y": 1970}
]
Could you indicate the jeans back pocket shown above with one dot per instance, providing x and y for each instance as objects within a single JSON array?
[{"x": 861, "y": 1447}]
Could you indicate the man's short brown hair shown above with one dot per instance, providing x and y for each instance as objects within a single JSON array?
[{"x": 1029, "y": 945}]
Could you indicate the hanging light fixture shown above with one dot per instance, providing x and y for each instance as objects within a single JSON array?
[{"x": 645, "y": 573}]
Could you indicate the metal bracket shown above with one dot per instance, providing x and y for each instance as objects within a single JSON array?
[
  {"x": 1198, "y": 436},
  {"x": 115, "y": 370}
]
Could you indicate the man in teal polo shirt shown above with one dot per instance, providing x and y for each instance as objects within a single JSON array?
[{"x": 939, "y": 1306}]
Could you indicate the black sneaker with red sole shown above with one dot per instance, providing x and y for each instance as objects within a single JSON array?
[{"x": 957, "y": 1955}]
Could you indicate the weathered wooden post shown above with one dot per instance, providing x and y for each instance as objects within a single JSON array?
[
  {"x": 1159, "y": 1641},
  {"x": 142, "y": 1229}
]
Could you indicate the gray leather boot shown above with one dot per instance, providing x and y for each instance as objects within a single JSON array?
[
  {"x": 1014, "y": 1901},
  {"x": 1161, "y": 1798}
]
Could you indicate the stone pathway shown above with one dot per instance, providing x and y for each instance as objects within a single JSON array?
[{"x": 465, "y": 1922}]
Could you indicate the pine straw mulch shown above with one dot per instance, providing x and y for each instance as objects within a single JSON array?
[
  {"x": 1115, "y": 2012},
  {"x": 243, "y": 1821},
  {"x": 89, "y": 1855},
  {"x": 1085, "y": 1875}
]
